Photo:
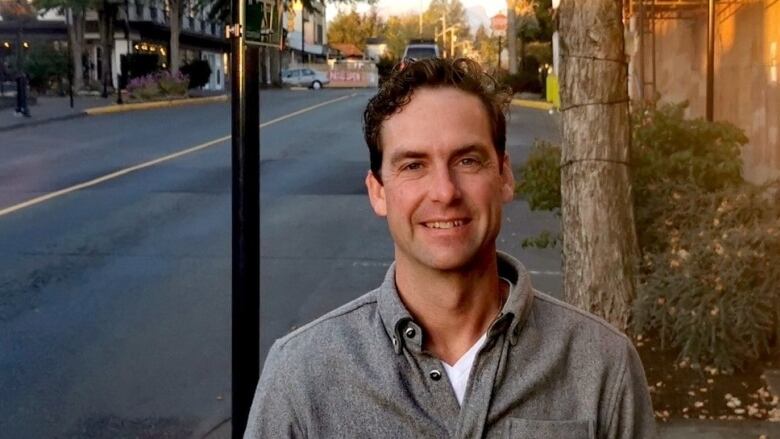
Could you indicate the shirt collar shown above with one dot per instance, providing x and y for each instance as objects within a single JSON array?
[{"x": 397, "y": 319}]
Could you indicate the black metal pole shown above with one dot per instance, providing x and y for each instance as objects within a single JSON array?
[
  {"x": 499, "y": 52},
  {"x": 245, "y": 314},
  {"x": 70, "y": 81},
  {"x": 710, "y": 59}
]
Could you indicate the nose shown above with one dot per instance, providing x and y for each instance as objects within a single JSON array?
[{"x": 444, "y": 186}]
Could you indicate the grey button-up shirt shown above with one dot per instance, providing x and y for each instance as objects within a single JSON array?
[{"x": 546, "y": 370}]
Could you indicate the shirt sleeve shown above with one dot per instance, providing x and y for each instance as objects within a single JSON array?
[
  {"x": 273, "y": 411},
  {"x": 632, "y": 416}
]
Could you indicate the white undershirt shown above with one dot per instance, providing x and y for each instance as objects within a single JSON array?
[{"x": 460, "y": 371}]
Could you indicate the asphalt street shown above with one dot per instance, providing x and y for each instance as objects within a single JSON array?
[{"x": 115, "y": 298}]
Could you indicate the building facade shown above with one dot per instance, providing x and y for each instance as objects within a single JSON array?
[
  {"x": 139, "y": 26},
  {"x": 672, "y": 64}
]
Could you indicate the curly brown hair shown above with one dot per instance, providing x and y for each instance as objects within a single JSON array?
[{"x": 463, "y": 74}]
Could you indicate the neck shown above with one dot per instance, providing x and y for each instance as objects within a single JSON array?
[{"x": 453, "y": 308}]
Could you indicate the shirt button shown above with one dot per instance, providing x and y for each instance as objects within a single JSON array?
[
  {"x": 410, "y": 332},
  {"x": 435, "y": 375}
]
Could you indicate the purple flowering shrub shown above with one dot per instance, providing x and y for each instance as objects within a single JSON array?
[{"x": 158, "y": 85}]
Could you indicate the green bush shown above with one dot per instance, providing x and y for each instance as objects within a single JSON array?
[
  {"x": 711, "y": 292},
  {"x": 526, "y": 80},
  {"x": 140, "y": 64},
  {"x": 540, "y": 177},
  {"x": 707, "y": 286},
  {"x": 46, "y": 67},
  {"x": 199, "y": 72},
  {"x": 173, "y": 85},
  {"x": 541, "y": 51}
]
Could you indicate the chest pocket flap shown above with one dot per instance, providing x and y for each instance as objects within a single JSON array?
[{"x": 544, "y": 429}]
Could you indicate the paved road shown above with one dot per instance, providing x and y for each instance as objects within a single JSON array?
[{"x": 115, "y": 299}]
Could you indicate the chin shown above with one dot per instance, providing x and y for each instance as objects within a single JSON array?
[{"x": 455, "y": 261}]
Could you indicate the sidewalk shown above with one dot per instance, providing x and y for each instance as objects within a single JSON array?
[{"x": 51, "y": 109}]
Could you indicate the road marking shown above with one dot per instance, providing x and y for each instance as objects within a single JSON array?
[
  {"x": 121, "y": 172},
  {"x": 545, "y": 273}
]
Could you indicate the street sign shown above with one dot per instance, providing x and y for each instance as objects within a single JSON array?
[
  {"x": 263, "y": 23},
  {"x": 498, "y": 24}
]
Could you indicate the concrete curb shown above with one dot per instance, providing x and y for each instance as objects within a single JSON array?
[
  {"x": 537, "y": 105},
  {"x": 109, "y": 109}
]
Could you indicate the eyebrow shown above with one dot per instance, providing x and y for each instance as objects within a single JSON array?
[{"x": 405, "y": 154}]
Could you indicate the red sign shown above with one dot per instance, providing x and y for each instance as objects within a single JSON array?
[{"x": 498, "y": 22}]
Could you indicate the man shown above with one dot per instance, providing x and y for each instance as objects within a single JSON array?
[{"x": 455, "y": 342}]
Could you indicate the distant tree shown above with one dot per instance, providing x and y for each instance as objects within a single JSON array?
[
  {"x": 454, "y": 15},
  {"x": 354, "y": 28},
  {"x": 486, "y": 47},
  {"x": 398, "y": 30},
  {"x": 74, "y": 12}
]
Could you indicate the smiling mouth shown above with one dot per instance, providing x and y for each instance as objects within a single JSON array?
[{"x": 444, "y": 224}]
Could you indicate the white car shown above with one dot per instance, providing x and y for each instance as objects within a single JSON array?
[{"x": 305, "y": 77}]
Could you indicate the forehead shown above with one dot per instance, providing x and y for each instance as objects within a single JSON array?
[{"x": 438, "y": 118}]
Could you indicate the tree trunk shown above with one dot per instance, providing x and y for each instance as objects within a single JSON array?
[
  {"x": 511, "y": 36},
  {"x": 175, "y": 22},
  {"x": 276, "y": 67},
  {"x": 76, "y": 42},
  {"x": 599, "y": 237},
  {"x": 106, "y": 31},
  {"x": 263, "y": 55},
  {"x": 522, "y": 52}
]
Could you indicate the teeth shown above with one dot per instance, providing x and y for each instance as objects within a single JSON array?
[{"x": 444, "y": 224}]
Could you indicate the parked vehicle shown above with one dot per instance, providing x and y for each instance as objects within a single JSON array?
[
  {"x": 305, "y": 77},
  {"x": 421, "y": 49}
]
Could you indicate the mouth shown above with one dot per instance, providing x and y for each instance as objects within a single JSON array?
[{"x": 445, "y": 224}]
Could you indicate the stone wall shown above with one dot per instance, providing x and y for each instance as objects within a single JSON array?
[{"x": 747, "y": 82}]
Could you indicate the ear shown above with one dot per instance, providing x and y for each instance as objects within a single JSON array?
[
  {"x": 376, "y": 194},
  {"x": 507, "y": 180}
]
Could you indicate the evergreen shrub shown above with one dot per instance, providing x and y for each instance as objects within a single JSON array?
[
  {"x": 198, "y": 71},
  {"x": 46, "y": 68},
  {"x": 707, "y": 285}
]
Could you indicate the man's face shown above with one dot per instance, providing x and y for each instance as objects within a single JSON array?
[{"x": 442, "y": 184}]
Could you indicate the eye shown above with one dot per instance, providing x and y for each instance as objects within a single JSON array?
[
  {"x": 469, "y": 161},
  {"x": 412, "y": 166}
]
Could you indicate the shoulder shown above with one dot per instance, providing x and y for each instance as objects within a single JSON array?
[
  {"x": 560, "y": 315},
  {"x": 331, "y": 333},
  {"x": 587, "y": 339}
]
